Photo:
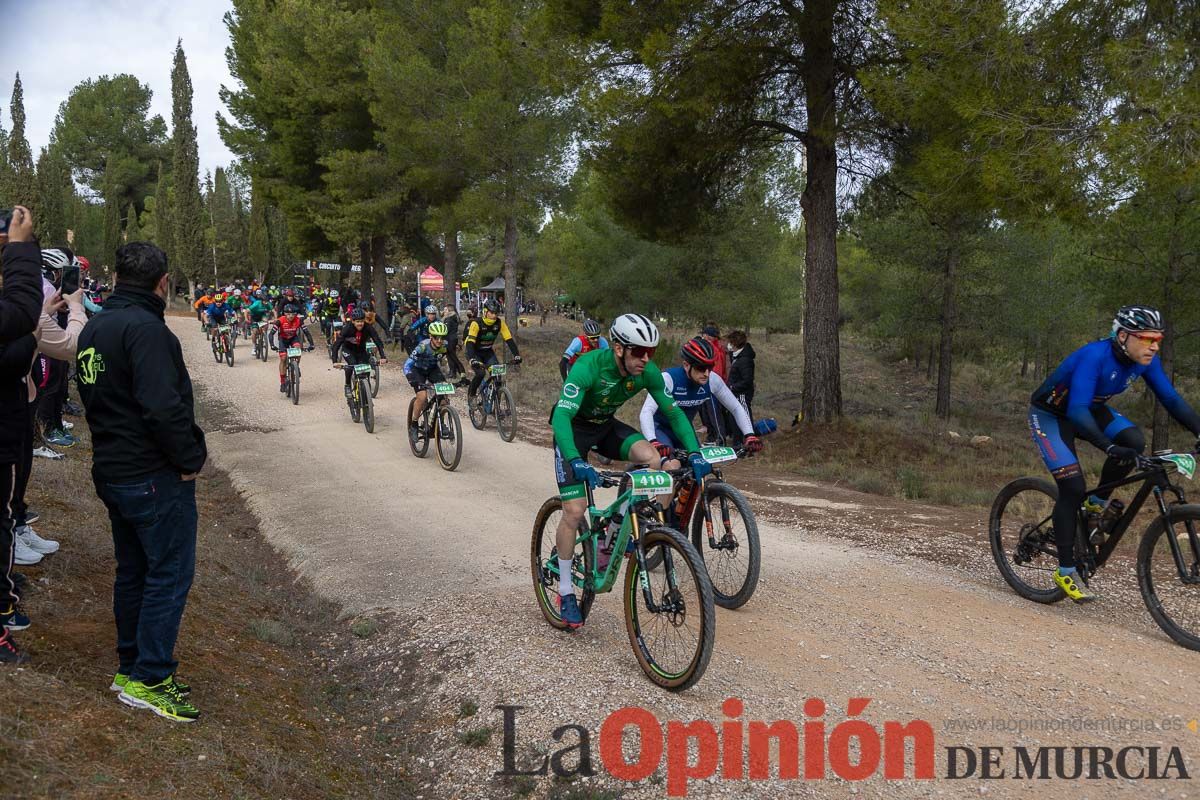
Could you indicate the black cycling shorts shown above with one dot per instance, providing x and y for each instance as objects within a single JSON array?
[
  {"x": 419, "y": 377},
  {"x": 612, "y": 439}
]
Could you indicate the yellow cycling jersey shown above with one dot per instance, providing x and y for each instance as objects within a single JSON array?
[{"x": 483, "y": 334}]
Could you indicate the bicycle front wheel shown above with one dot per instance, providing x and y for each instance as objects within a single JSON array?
[
  {"x": 543, "y": 558},
  {"x": 216, "y": 348},
  {"x": 448, "y": 437},
  {"x": 733, "y": 562},
  {"x": 229, "y": 354},
  {"x": 355, "y": 402},
  {"x": 294, "y": 382},
  {"x": 375, "y": 379},
  {"x": 672, "y": 622},
  {"x": 1021, "y": 535},
  {"x": 368, "y": 406},
  {"x": 1173, "y": 603},
  {"x": 506, "y": 414}
]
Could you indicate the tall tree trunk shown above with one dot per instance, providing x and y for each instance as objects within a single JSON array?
[
  {"x": 930, "y": 360},
  {"x": 379, "y": 276},
  {"x": 822, "y": 398},
  {"x": 450, "y": 268},
  {"x": 1024, "y": 356},
  {"x": 364, "y": 277},
  {"x": 510, "y": 272},
  {"x": 344, "y": 270},
  {"x": 946, "y": 345}
]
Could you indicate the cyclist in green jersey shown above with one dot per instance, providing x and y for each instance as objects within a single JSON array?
[{"x": 599, "y": 383}]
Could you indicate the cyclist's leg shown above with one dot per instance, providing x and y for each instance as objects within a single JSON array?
[
  {"x": 1124, "y": 433},
  {"x": 574, "y": 498},
  {"x": 1055, "y": 439},
  {"x": 417, "y": 381},
  {"x": 488, "y": 358},
  {"x": 283, "y": 346},
  {"x": 348, "y": 357}
]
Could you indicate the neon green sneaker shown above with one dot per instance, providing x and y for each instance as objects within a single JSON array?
[
  {"x": 120, "y": 679},
  {"x": 1073, "y": 589},
  {"x": 163, "y": 699}
]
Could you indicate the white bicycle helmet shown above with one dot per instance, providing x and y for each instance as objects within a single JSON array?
[
  {"x": 54, "y": 258},
  {"x": 634, "y": 330}
]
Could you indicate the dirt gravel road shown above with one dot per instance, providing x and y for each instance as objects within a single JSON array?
[{"x": 838, "y": 614}]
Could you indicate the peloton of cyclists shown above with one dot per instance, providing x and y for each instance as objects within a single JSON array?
[{"x": 352, "y": 343}]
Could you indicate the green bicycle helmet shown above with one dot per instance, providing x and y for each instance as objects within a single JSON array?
[{"x": 438, "y": 329}]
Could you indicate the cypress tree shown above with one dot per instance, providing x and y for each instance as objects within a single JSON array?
[
  {"x": 187, "y": 213},
  {"x": 258, "y": 240},
  {"x": 22, "y": 188},
  {"x": 163, "y": 233},
  {"x": 133, "y": 231},
  {"x": 52, "y": 188},
  {"x": 112, "y": 224}
]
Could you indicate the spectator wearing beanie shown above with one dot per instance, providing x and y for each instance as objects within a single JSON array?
[
  {"x": 20, "y": 306},
  {"x": 147, "y": 450}
]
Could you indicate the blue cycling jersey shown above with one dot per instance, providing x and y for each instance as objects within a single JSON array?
[
  {"x": 1091, "y": 375},
  {"x": 687, "y": 395},
  {"x": 218, "y": 312},
  {"x": 424, "y": 357}
]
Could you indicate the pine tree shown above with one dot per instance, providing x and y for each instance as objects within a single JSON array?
[
  {"x": 187, "y": 212},
  {"x": 22, "y": 188}
]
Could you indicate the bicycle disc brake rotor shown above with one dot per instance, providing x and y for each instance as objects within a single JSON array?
[{"x": 674, "y": 607}]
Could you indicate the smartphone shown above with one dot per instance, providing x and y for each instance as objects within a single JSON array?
[
  {"x": 70, "y": 279},
  {"x": 5, "y": 219}
]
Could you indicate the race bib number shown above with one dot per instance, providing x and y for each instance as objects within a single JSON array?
[
  {"x": 337, "y": 323},
  {"x": 223, "y": 329},
  {"x": 715, "y": 455},
  {"x": 647, "y": 482},
  {"x": 1185, "y": 464},
  {"x": 443, "y": 388},
  {"x": 498, "y": 369},
  {"x": 360, "y": 369},
  {"x": 293, "y": 352},
  {"x": 370, "y": 347}
]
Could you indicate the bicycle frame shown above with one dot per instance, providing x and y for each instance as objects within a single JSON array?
[{"x": 1156, "y": 481}]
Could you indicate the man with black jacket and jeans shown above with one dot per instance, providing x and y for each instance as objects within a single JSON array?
[
  {"x": 20, "y": 308},
  {"x": 741, "y": 372},
  {"x": 147, "y": 450}
]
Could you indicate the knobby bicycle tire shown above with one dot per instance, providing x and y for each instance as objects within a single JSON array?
[
  {"x": 368, "y": 405},
  {"x": 725, "y": 593},
  {"x": 1185, "y": 632},
  {"x": 545, "y": 584},
  {"x": 446, "y": 421},
  {"x": 506, "y": 414},
  {"x": 1002, "y": 548}
]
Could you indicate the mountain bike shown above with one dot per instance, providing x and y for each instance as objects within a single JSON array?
[
  {"x": 361, "y": 406},
  {"x": 443, "y": 426},
  {"x": 1168, "y": 558},
  {"x": 221, "y": 347},
  {"x": 335, "y": 330},
  {"x": 494, "y": 398},
  {"x": 291, "y": 374},
  {"x": 373, "y": 359},
  {"x": 669, "y": 613},
  {"x": 734, "y": 559},
  {"x": 258, "y": 338}
]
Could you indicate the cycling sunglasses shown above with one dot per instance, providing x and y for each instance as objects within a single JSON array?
[
  {"x": 1148, "y": 338},
  {"x": 642, "y": 352}
]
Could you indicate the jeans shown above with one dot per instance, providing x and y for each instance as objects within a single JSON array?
[{"x": 154, "y": 540}]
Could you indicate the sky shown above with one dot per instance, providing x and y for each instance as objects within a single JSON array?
[{"x": 73, "y": 40}]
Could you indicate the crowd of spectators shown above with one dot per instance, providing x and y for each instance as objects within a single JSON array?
[{"x": 146, "y": 446}]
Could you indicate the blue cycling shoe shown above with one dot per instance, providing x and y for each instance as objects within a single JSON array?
[{"x": 568, "y": 609}]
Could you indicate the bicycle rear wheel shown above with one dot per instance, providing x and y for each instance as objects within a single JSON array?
[
  {"x": 448, "y": 437},
  {"x": 418, "y": 441},
  {"x": 1022, "y": 538},
  {"x": 734, "y": 563},
  {"x": 1173, "y": 604},
  {"x": 475, "y": 409},
  {"x": 543, "y": 558},
  {"x": 368, "y": 405},
  {"x": 506, "y": 414},
  {"x": 672, "y": 642}
]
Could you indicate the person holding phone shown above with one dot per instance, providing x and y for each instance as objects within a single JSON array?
[
  {"x": 61, "y": 270},
  {"x": 20, "y": 307}
]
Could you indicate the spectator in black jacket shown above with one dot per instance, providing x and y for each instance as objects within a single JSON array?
[
  {"x": 20, "y": 308},
  {"x": 147, "y": 450},
  {"x": 741, "y": 371}
]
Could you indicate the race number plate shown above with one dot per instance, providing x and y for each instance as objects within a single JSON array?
[
  {"x": 370, "y": 347},
  {"x": 715, "y": 455},
  {"x": 361, "y": 369},
  {"x": 294, "y": 352},
  {"x": 223, "y": 329},
  {"x": 337, "y": 323},
  {"x": 443, "y": 388},
  {"x": 499, "y": 369},
  {"x": 649, "y": 482},
  {"x": 1184, "y": 463}
]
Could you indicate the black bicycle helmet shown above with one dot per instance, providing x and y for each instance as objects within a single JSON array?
[
  {"x": 290, "y": 308},
  {"x": 1137, "y": 318},
  {"x": 358, "y": 314}
]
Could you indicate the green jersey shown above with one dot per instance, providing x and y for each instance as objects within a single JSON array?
[
  {"x": 258, "y": 309},
  {"x": 594, "y": 391},
  {"x": 235, "y": 303}
]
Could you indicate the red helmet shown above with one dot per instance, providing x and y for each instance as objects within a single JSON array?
[
  {"x": 699, "y": 353},
  {"x": 83, "y": 262}
]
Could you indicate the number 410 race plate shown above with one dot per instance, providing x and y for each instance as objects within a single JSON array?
[{"x": 650, "y": 482}]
